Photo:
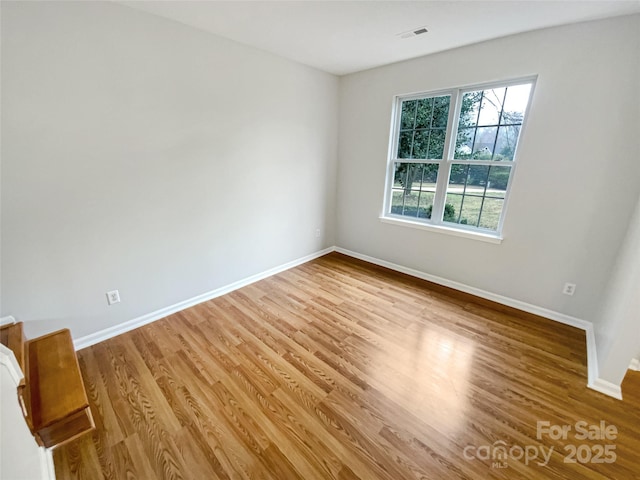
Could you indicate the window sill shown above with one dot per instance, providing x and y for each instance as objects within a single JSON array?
[{"x": 483, "y": 237}]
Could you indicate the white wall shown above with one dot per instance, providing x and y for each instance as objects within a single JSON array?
[
  {"x": 576, "y": 184},
  {"x": 143, "y": 155},
  {"x": 618, "y": 332}
]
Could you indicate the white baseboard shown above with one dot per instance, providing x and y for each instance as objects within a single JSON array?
[
  {"x": 592, "y": 359},
  {"x": 9, "y": 320},
  {"x": 107, "y": 333},
  {"x": 510, "y": 302},
  {"x": 635, "y": 365},
  {"x": 46, "y": 464},
  {"x": 608, "y": 388},
  {"x": 594, "y": 382}
]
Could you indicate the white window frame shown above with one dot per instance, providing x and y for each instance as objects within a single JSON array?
[{"x": 436, "y": 223}]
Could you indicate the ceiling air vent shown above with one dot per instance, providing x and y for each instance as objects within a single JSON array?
[{"x": 414, "y": 32}]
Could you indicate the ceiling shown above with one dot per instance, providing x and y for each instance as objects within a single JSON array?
[{"x": 342, "y": 37}]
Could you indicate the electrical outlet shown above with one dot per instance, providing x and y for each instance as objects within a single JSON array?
[
  {"x": 569, "y": 289},
  {"x": 317, "y": 233},
  {"x": 113, "y": 297}
]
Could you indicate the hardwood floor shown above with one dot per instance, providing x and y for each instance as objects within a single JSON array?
[{"x": 338, "y": 369}]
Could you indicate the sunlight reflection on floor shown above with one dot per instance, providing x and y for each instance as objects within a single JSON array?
[{"x": 434, "y": 381}]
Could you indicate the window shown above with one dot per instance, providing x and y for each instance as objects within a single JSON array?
[{"x": 453, "y": 154}]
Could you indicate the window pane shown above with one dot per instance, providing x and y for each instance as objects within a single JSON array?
[
  {"x": 430, "y": 176},
  {"x": 399, "y": 175},
  {"x": 411, "y": 204},
  {"x": 475, "y": 195},
  {"x": 497, "y": 181},
  {"x": 464, "y": 143},
  {"x": 506, "y": 143},
  {"x": 427, "y": 190},
  {"x": 491, "y": 211},
  {"x": 408, "y": 114},
  {"x": 420, "y": 144},
  {"x": 405, "y": 175},
  {"x": 424, "y": 113},
  {"x": 441, "y": 112},
  {"x": 452, "y": 207},
  {"x": 408, "y": 177},
  {"x": 484, "y": 143},
  {"x": 404, "y": 144},
  {"x": 436, "y": 144},
  {"x": 515, "y": 103},
  {"x": 397, "y": 202},
  {"x": 470, "y": 108},
  {"x": 425, "y": 205},
  {"x": 458, "y": 174},
  {"x": 414, "y": 176},
  {"x": 489, "y": 123},
  {"x": 491, "y": 106},
  {"x": 413, "y": 189},
  {"x": 423, "y": 125},
  {"x": 470, "y": 212}
]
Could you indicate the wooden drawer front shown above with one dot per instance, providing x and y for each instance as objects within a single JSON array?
[{"x": 67, "y": 429}]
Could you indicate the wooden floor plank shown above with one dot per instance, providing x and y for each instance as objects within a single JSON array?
[{"x": 339, "y": 369}]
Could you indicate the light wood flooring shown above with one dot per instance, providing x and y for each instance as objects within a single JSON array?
[{"x": 338, "y": 369}]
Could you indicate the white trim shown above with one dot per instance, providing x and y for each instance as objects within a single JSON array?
[
  {"x": 46, "y": 464},
  {"x": 593, "y": 381},
  {"x": 510, "y": 302},
  {"x": 592, "y": 357},
  {"x": 448, "y": 158},
  {"x": 608, "y": 388},
  {"x": 9, "y": 320},
  {"x": 457, "y": 232},
  {"x": 8, "y": 359},
  {"x": 635, "y": 365},
  {"x": 110, "y": 332}
]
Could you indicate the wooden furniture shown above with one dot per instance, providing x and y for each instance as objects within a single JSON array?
[{"x": 52, "y": 393}]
